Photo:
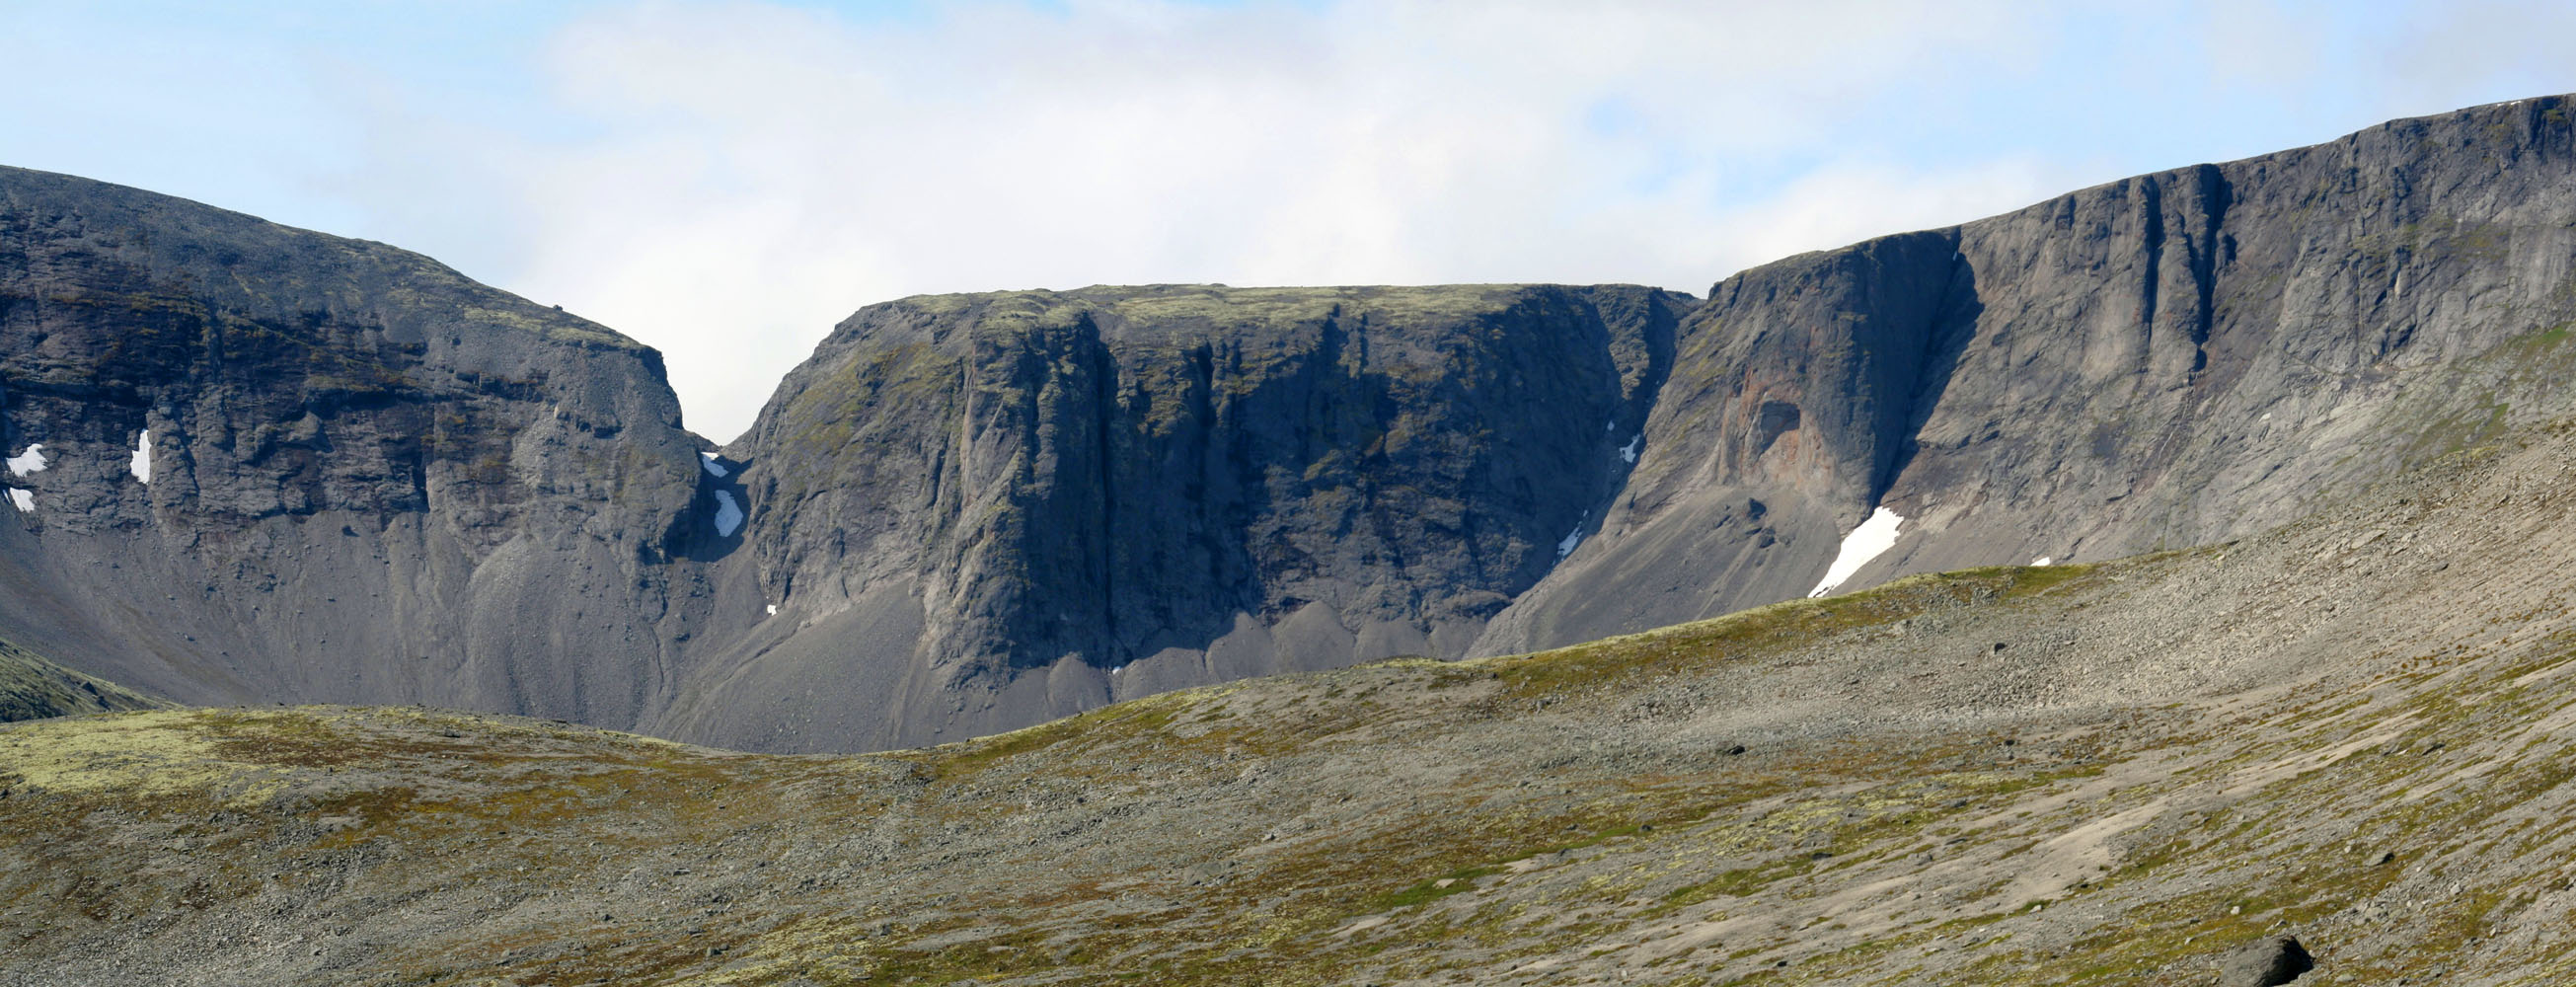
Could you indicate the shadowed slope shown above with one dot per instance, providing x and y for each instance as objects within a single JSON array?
[{"x": 978, "y": 511}]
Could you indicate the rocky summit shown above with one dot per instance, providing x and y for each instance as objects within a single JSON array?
[{"x": 2163, "y": 584}]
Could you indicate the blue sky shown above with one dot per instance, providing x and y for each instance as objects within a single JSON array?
[{"x": 725, "y": 180}]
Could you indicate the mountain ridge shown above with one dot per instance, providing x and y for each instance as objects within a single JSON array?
[
  {"x": 968, "y": 513},
  {"x": 359, "y": 465}
]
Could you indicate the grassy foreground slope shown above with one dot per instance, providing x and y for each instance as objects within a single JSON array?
[{"x": 2354, "y": 729}]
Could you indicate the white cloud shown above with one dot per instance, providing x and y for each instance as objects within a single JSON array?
[
  {"x": 2470, "y": 50},
  {"x": 1848, "y": 202},
  {"x": 726, "y": 180},
  {"x": 745, "y": 175}
]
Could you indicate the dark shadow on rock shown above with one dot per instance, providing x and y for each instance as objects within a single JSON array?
[
  {"x": 698, "y": 535},
  {"x": 1952, "y": 326},
  {"x": 1191, "y": 481}
]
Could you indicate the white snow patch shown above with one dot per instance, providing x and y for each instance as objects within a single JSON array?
[
  {"x": 714, "y": 469},
  {"x": 773, "y": 609},
  {"x": 141, "y": 464},
  {"x": 2042, "y": 560},
  {"x": 30, "y": 461},
  {"x": 1610, "y": 426},
  {"x": 728, "y": 516},
  {"x": 1873, "y": 537},
  {"x": 1629, "y": 451},
  {"x": 1566, "y": 546},
  {"x": 25, "y": 500}
]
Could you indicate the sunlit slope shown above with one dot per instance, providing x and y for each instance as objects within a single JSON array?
[{"x": 2349, "y": 729}]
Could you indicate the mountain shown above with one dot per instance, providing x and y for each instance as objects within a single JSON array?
[
  {"x": 373, "y": 481},
  {"x": 2164, "y": 361},
  {"x": 253, "y": 464},
  {"x": 2350, "y": 729},
  {"x": 999, "y": 509}
]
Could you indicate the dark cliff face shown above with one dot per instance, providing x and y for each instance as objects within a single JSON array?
[
  {"x": 2168, "y": 360},
  {"x": 1065, "y": 497},
  {"x": 369, "y": 478}
]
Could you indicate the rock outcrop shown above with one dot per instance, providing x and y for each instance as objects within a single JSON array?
[{"x": 2271, "y": 962}]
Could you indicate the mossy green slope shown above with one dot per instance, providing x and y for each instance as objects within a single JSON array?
[{"x": 33, "y": 688}]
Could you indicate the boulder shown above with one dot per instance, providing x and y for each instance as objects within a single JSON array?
[{"x": 2268, "y": 962}]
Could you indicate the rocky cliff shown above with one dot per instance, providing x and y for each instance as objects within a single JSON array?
[
  {"x": 1023, "y": 494},
  {"x": 2158, "y": 362},
  {"x": 995, "y": 509},
  {"x": 251, "y": 463}
]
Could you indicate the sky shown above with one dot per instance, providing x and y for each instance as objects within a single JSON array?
[{"x": 727, "y": 180}]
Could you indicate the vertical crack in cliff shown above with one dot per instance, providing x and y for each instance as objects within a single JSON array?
[
  {"x": 2216, "y": 195},
  {"x": 1940, "y": 337},
  {"x": 2151, "y": 211},
  {"x": 1106, "y": 413}
]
